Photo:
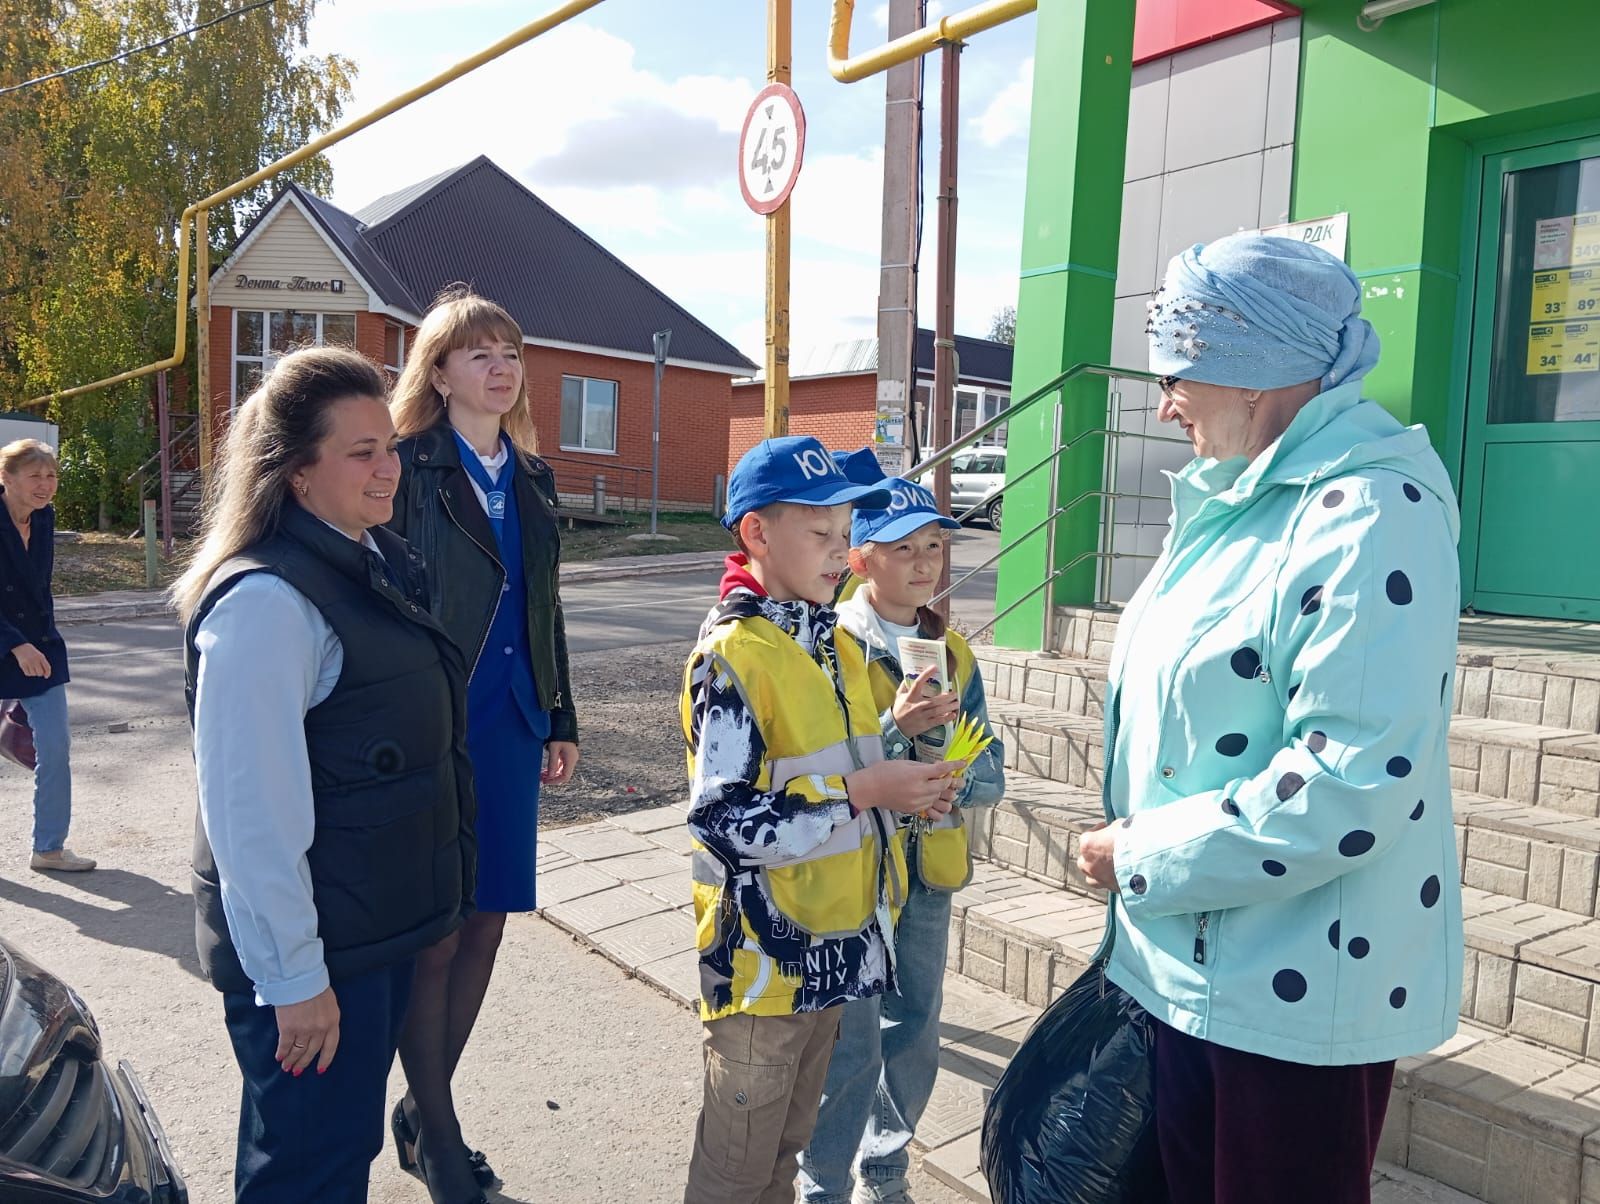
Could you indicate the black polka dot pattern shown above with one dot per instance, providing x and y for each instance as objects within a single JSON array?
[
  {"x": 1128, "y": 823},
  {"x": 1430, "y": 891},
  {"x": 1229, "y": 807},
  {"x": 1444, "y": 684},
  {"x": 1397, "y": 998},
  {"x": 1333, "y": 498},
  {"x": 1289, "y": 985},
  {"x": 1333, "y": 934},
  {"x": 1311, "y": 600},
  {"x": 1398, "y": 767},
  {"x": 1317, "y": 741},
  {"x": 1359, "y": 947},
  {"x": 1137, "y": 884},
  {"x": 1289, "y": 785},
  {"x": 1232, "y": 744},
  {"x": 1416, "y": 812},
  {"x": 1355, "y": 843},
  {"x": 1398, "y": 587},
  {"x": 1412, "y": 492},
  {"x": 1246, "y": 662},
  {"x": 1276, "y": 868}
]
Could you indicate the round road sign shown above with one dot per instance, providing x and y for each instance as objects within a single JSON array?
[{"x": 771, "y": 146}]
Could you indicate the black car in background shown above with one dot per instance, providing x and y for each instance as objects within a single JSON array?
[{"x": 73, "y": 1129}]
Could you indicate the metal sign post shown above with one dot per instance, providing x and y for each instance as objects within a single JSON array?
[
  {"x": 662, "y": 339},
  {"x": 770, "y": 149}
]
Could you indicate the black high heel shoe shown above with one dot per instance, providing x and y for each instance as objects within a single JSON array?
[
  {"x": 405, "y": 1141},
  {"x": 421, "y": 1162}
]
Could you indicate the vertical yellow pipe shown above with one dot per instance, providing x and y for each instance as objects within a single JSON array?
[
  {"x": 779, "y": 30},
  {"x": 202, "y": 339}
]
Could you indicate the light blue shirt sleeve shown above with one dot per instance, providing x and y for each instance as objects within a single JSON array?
[{"x": 267, "y": 656}]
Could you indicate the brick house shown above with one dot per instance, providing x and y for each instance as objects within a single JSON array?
[
  {"x": 833, "y": 394},
  {"x": 306, "y": 272}
]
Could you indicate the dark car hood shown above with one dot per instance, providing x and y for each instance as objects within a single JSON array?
[{"x": 39, "y": 1016}]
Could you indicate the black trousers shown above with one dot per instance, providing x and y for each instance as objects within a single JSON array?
[
  {"x": 314, "y": 1137},
  {"x": 1240, "y": 1128}
]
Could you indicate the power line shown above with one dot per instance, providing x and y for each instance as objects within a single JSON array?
[{"x": 117, "y": 58}]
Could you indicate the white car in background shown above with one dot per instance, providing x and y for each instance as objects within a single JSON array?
[{"x": 976, "y": 476}]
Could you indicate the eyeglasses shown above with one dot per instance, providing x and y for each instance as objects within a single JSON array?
[{"x": 1166, "y": 384}]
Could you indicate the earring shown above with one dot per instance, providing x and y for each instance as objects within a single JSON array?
[
  {"x": 303, "y": 489},
  {"x": 1252, "y": 411}
]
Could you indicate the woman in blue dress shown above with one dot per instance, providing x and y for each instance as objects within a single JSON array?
[{"x": 480, "y": 506}]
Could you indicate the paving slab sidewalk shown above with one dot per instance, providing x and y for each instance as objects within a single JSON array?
[
  {"x": 124, "y": 605},
  {"x": 621, "y": 885}
]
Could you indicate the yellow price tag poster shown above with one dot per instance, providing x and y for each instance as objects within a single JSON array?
[
  {"x": 1582, "y": 340},
  {"x": 1551, "y": 295},
  {"x": 1546, "y": 350},
  {"x": 1585, "y": 238},
  {"x": 1583, "y": 292}
]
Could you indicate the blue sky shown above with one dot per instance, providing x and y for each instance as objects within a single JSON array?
[{"x": 626, "y": 120}]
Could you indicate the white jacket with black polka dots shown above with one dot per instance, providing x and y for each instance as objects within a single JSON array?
[{"x": 1276, "y": 734}]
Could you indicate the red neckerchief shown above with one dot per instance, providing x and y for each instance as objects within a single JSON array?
[{"x": 736, "y": 575}]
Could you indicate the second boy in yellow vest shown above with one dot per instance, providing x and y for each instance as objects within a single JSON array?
[
  {"x": 884, "y": 1066},
  {"x": 794, "y": 816}
]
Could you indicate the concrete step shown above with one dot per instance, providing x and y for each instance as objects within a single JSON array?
[
  {"x": 1505, "y": 1111},
  {"x": 1556, "y": 685}
]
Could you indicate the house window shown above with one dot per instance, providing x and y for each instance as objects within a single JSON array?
[
  {"x": 394, "y": 349},
  {"x": 588, "y": 414},
  {"x": 263, "y": 336}
]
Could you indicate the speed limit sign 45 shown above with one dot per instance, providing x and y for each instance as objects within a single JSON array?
[{"x": 771, "y": 146}]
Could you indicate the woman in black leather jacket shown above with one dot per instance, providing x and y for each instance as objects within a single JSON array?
[{"x": 481, "y": 508}]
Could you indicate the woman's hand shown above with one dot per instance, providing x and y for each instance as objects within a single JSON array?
[
  {"x": 1097, "y": 850},
  {"x": 307, "y": 1031},
  {"x": 560, "y": 760},
  {"x": 917, "y": 711},
  {"x": 34, "y": 663}
]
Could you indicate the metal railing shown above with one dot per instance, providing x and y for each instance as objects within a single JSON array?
[
  {"x": 625, "y": 487},
  {"x": 1107, "y": 493}
]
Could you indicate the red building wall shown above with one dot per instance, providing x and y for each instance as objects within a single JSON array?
[
  {"x": 841, "y": 411},
  {"x": 694, "y": 415}
]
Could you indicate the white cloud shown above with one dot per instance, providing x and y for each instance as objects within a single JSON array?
[{"x": 1006, "y": 115}]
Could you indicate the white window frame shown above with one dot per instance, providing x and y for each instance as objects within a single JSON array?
[
  {"x": 583, "y": 414},
  {"x": 268, "y": 358},
  {"x": 400, "y": 328}
]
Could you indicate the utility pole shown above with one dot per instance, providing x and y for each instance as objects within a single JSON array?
[
  {"x": 944, "y": 326},
  {"x": 897, "y": 279},
  {"x": 780, "y": 31},
  {"x": 661, "y": 341}
]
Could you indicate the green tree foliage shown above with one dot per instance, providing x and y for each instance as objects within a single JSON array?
[
  {"x": 95, "y": 170},
  {"x": 1003, "y": 326}
]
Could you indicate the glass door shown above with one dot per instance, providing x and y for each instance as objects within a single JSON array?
[{"x": 1531, "y": 485}]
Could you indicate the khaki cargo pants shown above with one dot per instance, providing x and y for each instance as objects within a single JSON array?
[{"x": 763, "y": 1084}]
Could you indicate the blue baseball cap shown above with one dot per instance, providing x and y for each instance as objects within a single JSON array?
[
  {"x": 862, "y": 466},
  {"x": 911, "y": 507},
  {"x": 795, "y": 469}
]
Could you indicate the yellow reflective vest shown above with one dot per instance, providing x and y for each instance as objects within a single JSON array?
[{"x": 812, "y": 729}]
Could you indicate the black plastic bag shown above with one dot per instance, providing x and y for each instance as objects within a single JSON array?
[{"x": 1073, "y": 1119}]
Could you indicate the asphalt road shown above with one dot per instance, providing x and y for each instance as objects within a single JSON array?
[{"x": 126, "y": 671}]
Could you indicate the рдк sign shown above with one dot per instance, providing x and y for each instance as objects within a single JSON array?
[{"x": 294, "y": 284}]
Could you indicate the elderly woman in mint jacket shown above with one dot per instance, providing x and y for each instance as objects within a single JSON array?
[{"x": 1281, "y": 849}]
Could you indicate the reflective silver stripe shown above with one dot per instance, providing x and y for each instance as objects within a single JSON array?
[
  {"x": 707, "y": 870},
  {"x": 834, "y": 761}
]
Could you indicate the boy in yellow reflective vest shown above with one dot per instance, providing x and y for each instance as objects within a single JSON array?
[
  {"x": 884, "y": 1066},
  {"x": 794, "y": 819}
]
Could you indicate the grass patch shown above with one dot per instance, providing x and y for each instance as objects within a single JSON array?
[{"x": 98, "y": 561}]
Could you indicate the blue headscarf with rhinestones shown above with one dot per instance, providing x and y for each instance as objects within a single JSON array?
[{"x": 1257, "y": 312}]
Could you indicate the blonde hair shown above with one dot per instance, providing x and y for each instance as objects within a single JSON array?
[
  {"x": 459, "y": 319},
  {"x": 23, "y": 453},
  {"x": 276, "y": 433}
]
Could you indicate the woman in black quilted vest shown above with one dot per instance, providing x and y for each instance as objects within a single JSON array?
[{"x": 335, "y": 835}]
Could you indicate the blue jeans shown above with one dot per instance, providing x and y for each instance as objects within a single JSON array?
[
  {"x": 52, "y": 779},
  {"x": 884, "y": 1065},
  {"x": 314, "y": 1137}
]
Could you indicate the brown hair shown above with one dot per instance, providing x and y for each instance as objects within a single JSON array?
[
  {"x": 459, "y": 318},
  {"x": 23, "y": 453},
  {"x": 275, "y": 433}
]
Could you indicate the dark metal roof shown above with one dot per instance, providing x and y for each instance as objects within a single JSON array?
[
  {"x": 981, "y": 358},
  {"x": 480, "y": 226}
]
